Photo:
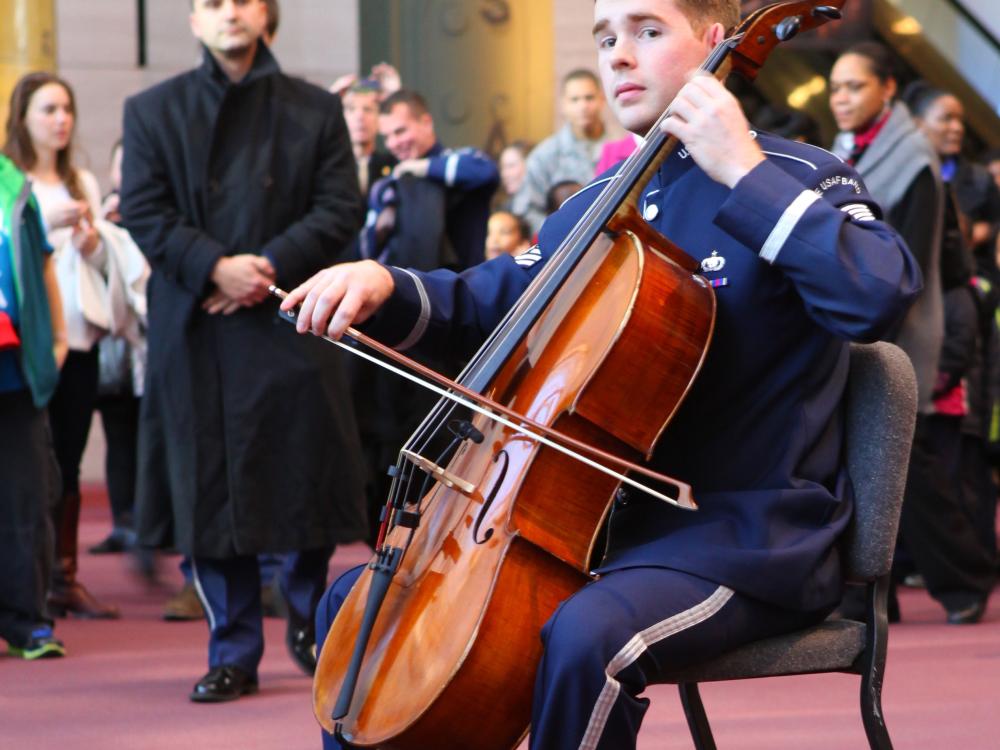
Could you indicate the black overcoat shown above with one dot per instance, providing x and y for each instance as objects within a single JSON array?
[{"x": 248, "y": 438}]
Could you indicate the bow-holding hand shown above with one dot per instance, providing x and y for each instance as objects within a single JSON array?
[
  {"x": 708, "y": 120},
  {"x": 340, "y": 296}
]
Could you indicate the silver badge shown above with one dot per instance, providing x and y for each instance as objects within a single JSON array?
[{"x": 713, "y": 263}]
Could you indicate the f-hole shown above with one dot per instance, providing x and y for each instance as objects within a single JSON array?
[{"x": 489, "y": 500}]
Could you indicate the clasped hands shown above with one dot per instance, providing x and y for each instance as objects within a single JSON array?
[{"x": 240, "y": 281}]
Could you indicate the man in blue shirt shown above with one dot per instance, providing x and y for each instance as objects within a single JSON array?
[{"x": 801, "y": 264}]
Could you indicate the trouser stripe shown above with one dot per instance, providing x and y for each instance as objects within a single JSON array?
[
  {"x": 634, "y": 649},
  {"x": 201, "y": 595}
]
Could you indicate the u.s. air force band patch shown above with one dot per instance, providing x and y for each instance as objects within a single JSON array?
[
  {"x": 529, "y": 257},
  {"x": 839, "y": 180}
]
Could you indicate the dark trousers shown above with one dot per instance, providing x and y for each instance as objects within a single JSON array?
[
  {"x": 70, "y": 413},
  {"x": 229, "y": 590},
  {"x": 607, "y": 642},
  {"x": 120, "y": 418},
  {"x": 27, "y": 491},
  {"x": 979, "y": 492},
  {"x": 934, "y": 525}
]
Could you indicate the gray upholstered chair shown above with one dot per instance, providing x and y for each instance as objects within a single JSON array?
[{"x": 881, "y": 411}]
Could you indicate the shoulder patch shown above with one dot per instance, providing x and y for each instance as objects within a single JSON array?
[{"x": 529, "y": 257}]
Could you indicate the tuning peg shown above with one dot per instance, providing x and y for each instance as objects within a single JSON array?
[
  {"x": 828, "y": 11},
  {"x": 788, "y": 28}
]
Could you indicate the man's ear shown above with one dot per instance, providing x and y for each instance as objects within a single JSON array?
[{"x": 714, "y": 34}]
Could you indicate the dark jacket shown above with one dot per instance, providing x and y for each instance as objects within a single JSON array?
[{"x": 249, "y": 443}]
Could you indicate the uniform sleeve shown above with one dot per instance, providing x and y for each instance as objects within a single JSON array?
[
  {"x": 853, "y": 272},
  {"x": 465, "y": 169},
  {"x": 335, "y": 211},
  {"x": 446, "y": 313},
  {"x": 175, "y": 248}
]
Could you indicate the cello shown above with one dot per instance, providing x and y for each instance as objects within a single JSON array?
[{"x": 445, "y": 620}]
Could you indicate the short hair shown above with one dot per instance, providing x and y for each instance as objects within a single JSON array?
[
  {"x": 880, "y": 59},
  {"x": 701, "y": 13},
  {"x": 273, "y": 17},
  {"x": 919, "y": 96},
  {"x": 580, "y": 74},
  {"x": 414, "y": 101},
  {"x": 523, "y": 227},
  {"x": 521, "y": 146},
  {"x": 557, "y": 194}
]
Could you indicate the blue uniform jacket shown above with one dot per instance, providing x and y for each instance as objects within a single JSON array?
[
  {"x": 469, "y": 178},
  {"x": 802, "y": 264}
]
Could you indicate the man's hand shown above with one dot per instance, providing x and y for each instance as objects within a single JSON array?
[
  {"x": 342, "y": 84},
  {"x": 416, "y": 167},
  {"x": 388, "y": 79},
  {"x": 218, "y": 303},
  {"x": 708, "y": 120},
  {"x": 340, "y": 296},
  {"x": 244, "y": 278}
]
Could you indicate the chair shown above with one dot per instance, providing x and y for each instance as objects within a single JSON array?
[{"x": 881, "y": 411}]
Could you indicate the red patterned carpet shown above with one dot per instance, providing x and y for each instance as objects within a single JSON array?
[{"x": 124, "y": 685}]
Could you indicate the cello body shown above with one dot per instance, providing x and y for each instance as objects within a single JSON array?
[{"x": 452, "y": 657}]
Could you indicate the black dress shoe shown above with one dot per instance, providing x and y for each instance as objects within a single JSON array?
[
  {"x": 115, "y": 542},
  {"x": 967, "y": 615},
  {"x": 300, "y": 637},
  {"x": 223, "y": 684}
]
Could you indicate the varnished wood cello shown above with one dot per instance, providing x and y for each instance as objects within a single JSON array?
[{"x": 437, "y": 644}]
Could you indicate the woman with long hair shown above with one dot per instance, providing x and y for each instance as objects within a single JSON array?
[{"x": 40, "y": 129}]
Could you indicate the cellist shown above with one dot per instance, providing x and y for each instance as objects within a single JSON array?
[{"x": 801, "y": 263}]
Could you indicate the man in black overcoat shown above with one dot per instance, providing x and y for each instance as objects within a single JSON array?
[{"x": 236, "y": 176}]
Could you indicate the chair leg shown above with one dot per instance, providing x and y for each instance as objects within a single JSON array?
[
  {"x": 873, "y": 666},
  {"x": 697, "y": 721}
]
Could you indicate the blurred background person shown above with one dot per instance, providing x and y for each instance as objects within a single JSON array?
[
  {"x": 614, "y": 152},
  {"x": 880, "y": 140},
  {"x": 361, "y": 104},
  {"x": 39, "y": 141},
  {"x": 971, "y": 211},
  {"x": 571, "y": 153},
  {"x": 506, "y": 234},
  {"x": 32, "y": 347},
  {"x": 121, "y": 370},
  {"x": 512, "y": 164},
  {"x": 559, "y": 193}
]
